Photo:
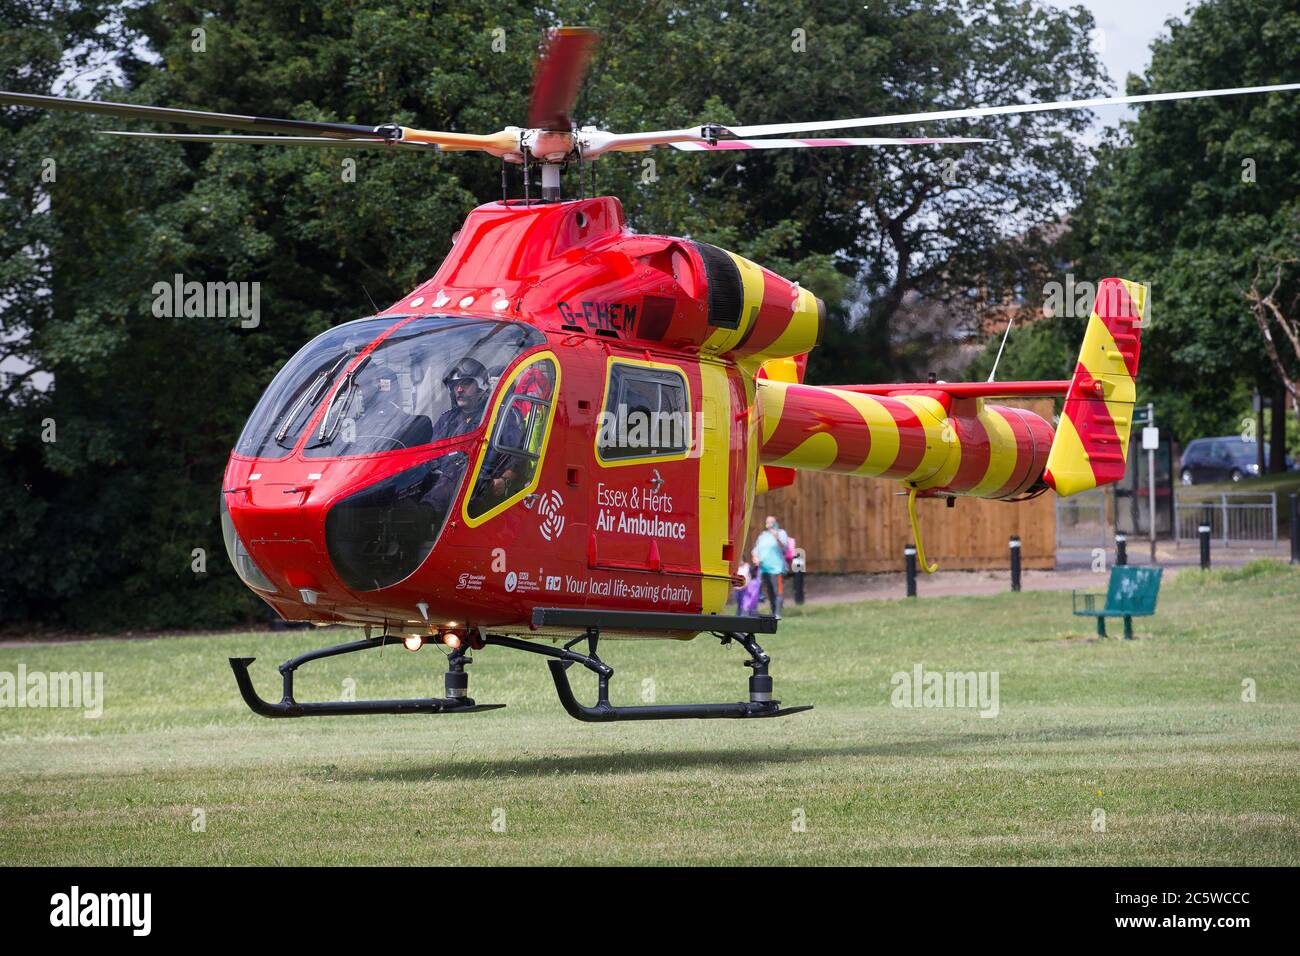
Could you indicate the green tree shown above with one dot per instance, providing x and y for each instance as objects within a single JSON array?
[
  {"x": 1190, "y": 197},
  {"x": 102, "y": 523}
]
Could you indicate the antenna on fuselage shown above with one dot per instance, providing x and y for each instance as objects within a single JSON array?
[
  {"x": 373, "y": 304},
  {"x": 1010, "y": 321}
]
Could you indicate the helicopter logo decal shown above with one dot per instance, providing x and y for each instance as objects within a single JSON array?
[{"x": 548, "y": 508}]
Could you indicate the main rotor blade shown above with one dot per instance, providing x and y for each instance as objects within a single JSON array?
[
  {"x": 328, "y": 142},
  {"x": 503, "y": 143},
  {"x": 725, "y": 144},
  {"x": 772, "y": 129},
  {"x": 196, "y": 117},
  {"x": 559, "y": 74}
]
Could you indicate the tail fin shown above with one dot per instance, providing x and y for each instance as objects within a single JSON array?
[
  {"x": 1091, "y": 443},
  {"x": 780, "y": 370}
]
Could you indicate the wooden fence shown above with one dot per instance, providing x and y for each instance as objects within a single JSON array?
[{"x": 847, "y": 523}]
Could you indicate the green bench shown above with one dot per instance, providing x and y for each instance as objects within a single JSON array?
[{"x": 1132, "y": 593}]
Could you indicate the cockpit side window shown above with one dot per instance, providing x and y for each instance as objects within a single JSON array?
[{"x": 509, "y": 463}]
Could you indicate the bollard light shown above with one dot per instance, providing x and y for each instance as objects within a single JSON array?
[
  {"x": 1295, "y": 528},
  {"x": 1015, "y": 562}
]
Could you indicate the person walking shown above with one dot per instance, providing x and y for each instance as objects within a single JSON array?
[{"x": 769, "y": 555}]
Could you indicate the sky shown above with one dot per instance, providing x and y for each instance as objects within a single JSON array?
[{"x": 1125, "y": 29}]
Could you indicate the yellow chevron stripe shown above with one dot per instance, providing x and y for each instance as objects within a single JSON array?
[
  {"x": 800, "y": 334},
  {"x": 881, "y": 427},
  {"x": 715, "y": 460},
  {"x": 752, "y": 415},
  {"x": 751, "y": 280},
  {"x": 1138, "y": 293},
  {"x": 814, "y": 454},
  {"x": 1105, "y": 363},
  {"x": 771, "y": 402},
  {"x": 781, "y": 370},
  {"x": 940, "y": 447},
  {"x": 1002, "y": 452},
  {"x": 1068, "y": 461}
]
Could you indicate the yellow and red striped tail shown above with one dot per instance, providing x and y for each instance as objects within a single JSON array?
[
  {"x": 1091, "y": 443},
  {"x": 790, "y": 370}
]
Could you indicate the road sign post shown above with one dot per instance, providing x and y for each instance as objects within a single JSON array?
[{"x": 1150, "y": 442}]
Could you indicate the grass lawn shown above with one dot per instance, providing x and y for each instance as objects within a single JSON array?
[{"x": 1154, "y": 732}]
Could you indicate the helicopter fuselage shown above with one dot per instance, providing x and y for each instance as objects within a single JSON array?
[{"x": 612, "y": 465}]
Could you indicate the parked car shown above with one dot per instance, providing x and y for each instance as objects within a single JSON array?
[{"x": 1228, "y": 458}]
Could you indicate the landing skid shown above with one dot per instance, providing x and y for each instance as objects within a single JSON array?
[
  {"x": 760, "y": 702},
  {"x": 456, "y": 680}
]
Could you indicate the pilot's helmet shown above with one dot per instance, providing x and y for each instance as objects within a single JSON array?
[{"x": 467, "y": 368}]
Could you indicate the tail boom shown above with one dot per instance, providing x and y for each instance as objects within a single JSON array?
[
  {"x": 927, "y": 439},
  {"x": 948, "y": 439}
]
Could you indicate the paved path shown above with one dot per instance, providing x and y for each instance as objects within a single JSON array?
[
  {"x": 1071, "y": 574},
  {"x": 842, "y": 588}
]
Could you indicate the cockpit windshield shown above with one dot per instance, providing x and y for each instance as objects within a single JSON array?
[
  {"x": 428, "y": 381},
  {"x": 296, "y": 392}
]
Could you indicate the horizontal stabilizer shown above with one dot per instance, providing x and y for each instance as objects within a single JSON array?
[{"x": 966, "y": 389}]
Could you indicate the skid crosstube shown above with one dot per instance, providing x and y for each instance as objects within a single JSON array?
[
  {"x": 728, "y": 629},
  {"x": 457, "y": 681}
]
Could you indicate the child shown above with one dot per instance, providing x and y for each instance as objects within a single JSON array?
[{"x": 749, "y": 594}]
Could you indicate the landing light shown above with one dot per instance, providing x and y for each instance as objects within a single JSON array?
[
  {"x": 413, "y": 642},
  {"x": 451, "y": 640}
]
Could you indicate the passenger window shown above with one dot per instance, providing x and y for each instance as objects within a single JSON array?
[
  {"x": 510, "y": 462},
  {"x": 646, "y": 414}
]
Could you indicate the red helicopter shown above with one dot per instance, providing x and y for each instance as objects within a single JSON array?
[{"x": 561, "y": 433}]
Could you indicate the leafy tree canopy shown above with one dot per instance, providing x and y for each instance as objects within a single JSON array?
[
  {"x": 1191, "y": 196},
  {"x": 102, "y": 523}
]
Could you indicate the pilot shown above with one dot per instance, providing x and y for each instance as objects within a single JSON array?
[
  {"x": 501, "y": 473},
  {"x": 382, "y": 419},
  {"x": 467, "y": 383}
]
